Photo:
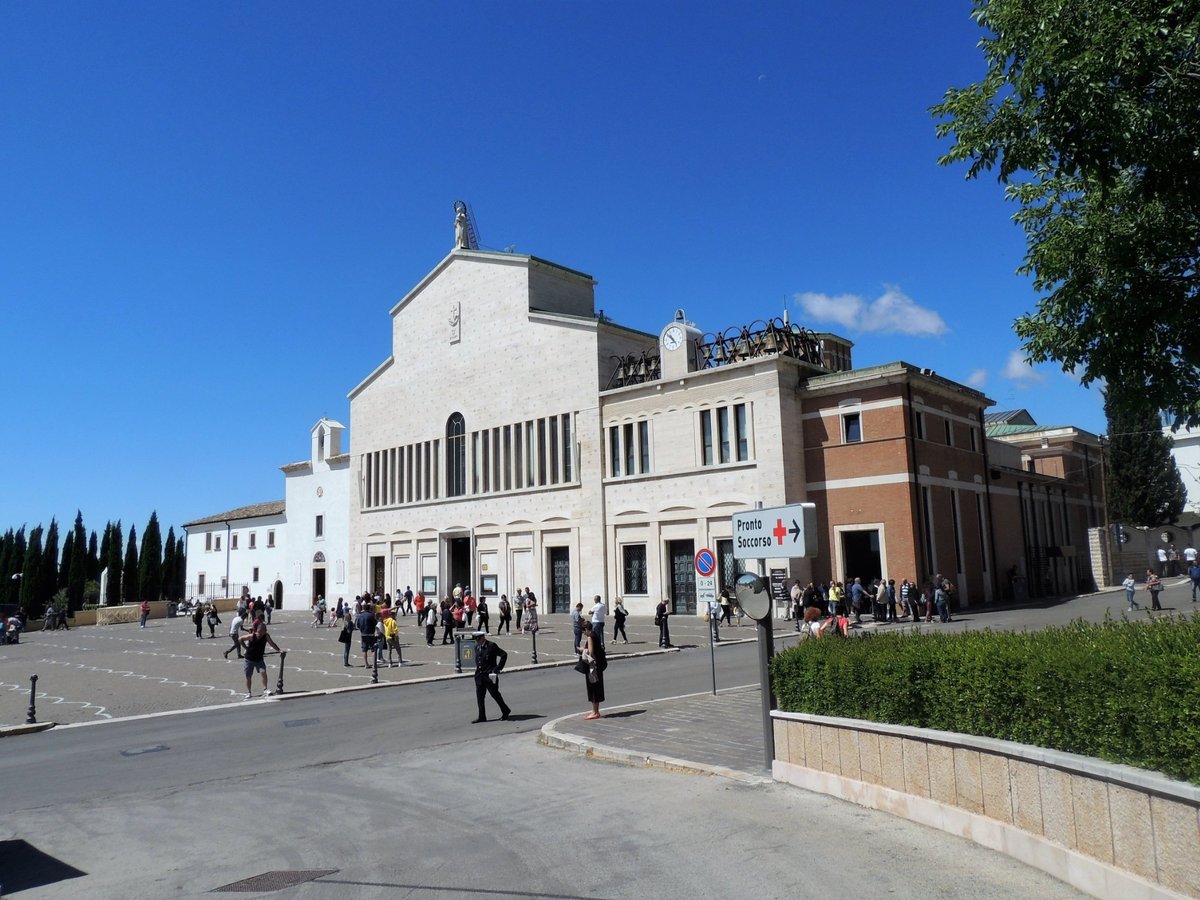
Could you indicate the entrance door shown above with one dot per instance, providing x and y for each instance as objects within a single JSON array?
[
  {"x": 277, "y": 592},
  {"x": 460, "y": 564},
  {"x": 560, "y": 579},
  {"x": 377, "y": 572},
  {"x": 860, "y": 556},
  {"x": 683, "y": 576},
  {"x": 318, "y": 582}
]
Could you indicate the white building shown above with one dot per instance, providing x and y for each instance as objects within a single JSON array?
[
  {"x": 238, "y": 549},
  {"x": 317, "y": 535},
  {"x": 293, "y": 550}
]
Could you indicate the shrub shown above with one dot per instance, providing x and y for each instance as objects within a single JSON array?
[{"x": 1127, "y": 692}]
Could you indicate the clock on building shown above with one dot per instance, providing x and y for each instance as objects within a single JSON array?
[{"x": 673, "y": 338}]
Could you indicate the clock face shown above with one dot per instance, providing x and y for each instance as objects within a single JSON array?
[{"x": 673, "y": 338}]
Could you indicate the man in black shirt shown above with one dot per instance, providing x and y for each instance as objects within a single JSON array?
[
  {"x": 256, "y": 647},
  {"x": 489, "y": 662}
]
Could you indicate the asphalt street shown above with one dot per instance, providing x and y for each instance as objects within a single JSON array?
[{"x": 392, "y": 792}]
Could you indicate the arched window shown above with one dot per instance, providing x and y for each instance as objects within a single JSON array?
[
  {"x": 319, "y": 557},
  {"x": 456, "y": 455}
]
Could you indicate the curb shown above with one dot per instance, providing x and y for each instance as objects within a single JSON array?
[
  {"x": 9, "y": 730},
  {"x": 551, "y": 736}
]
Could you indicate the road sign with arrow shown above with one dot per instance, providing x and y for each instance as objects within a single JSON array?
[{"x": 782, "y": 532}]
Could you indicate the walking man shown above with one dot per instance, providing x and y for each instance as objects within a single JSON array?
[
  {"x": 256, "y": 649},
  {"x": 235, "y": 635},
  {"x": 144, "y": 609},
  {"x": 489, "y": 663},
  {"x": 598, "y": 611},
  {"x": 365, "y": 623}
]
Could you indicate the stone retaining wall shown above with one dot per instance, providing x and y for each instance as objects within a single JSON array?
[{"x": 1109, "y": 830}]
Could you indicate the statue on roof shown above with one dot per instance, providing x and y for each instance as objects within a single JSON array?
[{"x": 462, "y": 237}]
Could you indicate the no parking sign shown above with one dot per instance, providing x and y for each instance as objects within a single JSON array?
[{"x": 706, "y": 582}]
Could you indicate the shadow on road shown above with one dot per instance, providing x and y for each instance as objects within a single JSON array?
[{"x": 24, "y": 867}]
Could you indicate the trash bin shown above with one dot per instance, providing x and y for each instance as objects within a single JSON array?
[{"x": 464, "y": 650}]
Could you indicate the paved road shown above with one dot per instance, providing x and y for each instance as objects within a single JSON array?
[
  {"x": 396, "y": 794},
  {"x": 89, "y": 674}
]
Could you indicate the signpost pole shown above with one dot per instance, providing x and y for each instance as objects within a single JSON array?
[
  {"x": 766, "y": 649},
  {"x": 712, "y": 651}
]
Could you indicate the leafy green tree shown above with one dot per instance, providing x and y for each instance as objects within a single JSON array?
[
  {"x": 12, "y": 585},
  {"x": 6, "y": 564},
  {"x": 78, "y": 571},
  {"x": 129, "y": 574},
  {"x": 112, "y": 593},
  {"x": 150, "y": 562},
  {"x": 1090, "y": 116},
  {"x": 32, "y": 601},
  {"x": 1143, "y": 484}
]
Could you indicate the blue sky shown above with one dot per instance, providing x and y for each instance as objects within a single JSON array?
[{"x": 209, "y": 208}]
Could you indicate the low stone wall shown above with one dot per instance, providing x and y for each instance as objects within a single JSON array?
[{"x": 1112, "y": 831}]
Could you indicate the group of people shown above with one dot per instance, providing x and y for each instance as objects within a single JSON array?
[
  {"x": 1169, "y": 559},
  {"x": 881, "y": 598}
]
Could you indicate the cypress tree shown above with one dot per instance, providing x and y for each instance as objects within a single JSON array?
[
  {"x": 180, "y": 567},
  {"x": 1143, "y": 483},
  {"x": 17, "y": 563},
  {"x": 65, "y": 566},
  {"x": 93, "y": 559},
  {"x": 112, "y": 595},
  {"x": 31, "y": 575},
  {"x": 150, "y": 562},
  {"x": 129, "y": 574},
  {"x": 168, "y": 568},
  {"x": 6, "y": 568},
  {"x": 77, "y": 572},
  {"x": 48, "y": 576}
]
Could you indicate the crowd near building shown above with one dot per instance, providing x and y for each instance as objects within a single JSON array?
[{"x": 593, "y": 458}]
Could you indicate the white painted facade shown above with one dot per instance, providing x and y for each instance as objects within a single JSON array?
[
  {"x": 318, "y": 529},
  {"x": 1186, "y": 451},
  {"x": 240, "y": 548},
  {"x": 273, "y": 548}
]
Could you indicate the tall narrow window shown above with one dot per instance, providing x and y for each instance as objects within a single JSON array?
[
  {"x": 518, "y": 456},
  {"x": 741, "y": 432},
  {"x": 614, "y": 451},
  {"x": 541, "y": 449},
  {"x": 919, "y": 425},
  {"x": 508, "y": 457},
  {"x": 706, "y": 441},
  {"x": 949, "y": 433},
  {"x": 568, "y": 449},
  {"x": 271, "y": 538},
  {"x": 644, "y": 445},
  {"x": 208, "y": 540},
  {"x": 320, "y": 526},
  {"x": 456, "y": 455},
  {"x": 552, "y": 436},
  {"x": 530, "y": 456},
  {"x": 723, "y": 430},
  {"x": 233, "y": 542},
  {"x": 630, "y": 449},
  {"x": 252, "y": 540}
]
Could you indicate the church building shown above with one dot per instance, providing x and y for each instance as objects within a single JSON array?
[{"x": 552, "y": 448}]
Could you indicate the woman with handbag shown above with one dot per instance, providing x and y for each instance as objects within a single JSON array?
[
  {"x": 592, "y": 662},
  {"x": 346, "y": 637}
]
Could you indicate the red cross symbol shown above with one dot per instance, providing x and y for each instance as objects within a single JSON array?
[{"x": 779, "y": 530}]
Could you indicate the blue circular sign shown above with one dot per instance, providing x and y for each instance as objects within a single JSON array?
[{"x": 706, "y": 563}]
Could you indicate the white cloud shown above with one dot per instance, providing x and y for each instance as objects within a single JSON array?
[
  {"x": 978, "y": 378},
  {"x": 892, "y": 312},
  {"x": 1018, "y": 370}
]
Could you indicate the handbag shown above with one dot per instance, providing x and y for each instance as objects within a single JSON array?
[
  {"x": 344, "y": 636},
  {"x": 582, "y": 667},
  {"x": 593, "y": 676}
]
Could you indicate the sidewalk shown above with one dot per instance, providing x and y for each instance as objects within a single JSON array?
[{"x": 701, "y": 733}]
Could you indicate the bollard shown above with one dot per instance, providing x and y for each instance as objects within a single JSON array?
[
  {"x": 375, "y": 667},
  {"x": 279, "y": 683},
  {"x": 32, "y": 719},
  {"x": 457, "y": 656},
  {"x": 533, "y": 653}
]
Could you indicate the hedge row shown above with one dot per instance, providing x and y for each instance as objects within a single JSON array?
[{"x": 1127, "y": 692}]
